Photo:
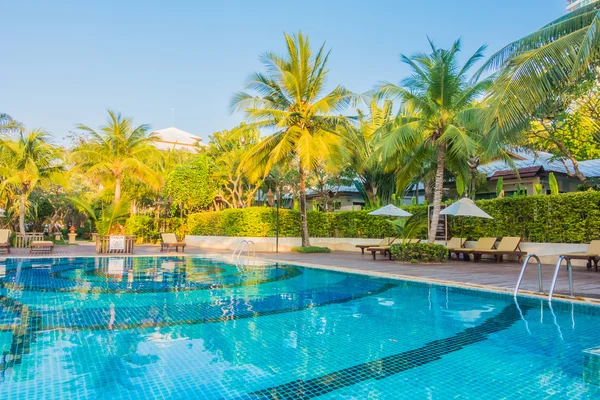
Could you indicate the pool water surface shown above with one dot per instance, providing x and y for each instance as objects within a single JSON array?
[{"x": 191, "y": 327}]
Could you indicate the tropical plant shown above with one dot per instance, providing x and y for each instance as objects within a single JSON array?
[
  {"x": 108, "y": 217},
  {"x": 500, "y": 187},
  {"x": 438, "y": 118},
  {"x": 9, "y": 125},
  {"x": 226, "y": 149},
  {"x": 191, "y": 185},
  {"x": 553, "y": 183},
  {"x": 26, "y": 161},
  {"x": 534, "y": 68},
  {"x": 372, "y": 180},
  {"x": 289, "y": 100},
  {"x": 118, "y": 151}
]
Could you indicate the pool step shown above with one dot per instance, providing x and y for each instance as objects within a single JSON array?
[{"x": 591, "y": 366}]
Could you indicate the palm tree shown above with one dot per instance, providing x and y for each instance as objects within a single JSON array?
[
  {"x": 9, "y": 125},
  {"x": 372, "y": 180},
  {"x": 436, "y": 120},
  {"x": 536, "y": 67},
  {"x": 289, "y": 100},
  {"x": 117, "y": 152},
  {"x": 26, "y": 161}
]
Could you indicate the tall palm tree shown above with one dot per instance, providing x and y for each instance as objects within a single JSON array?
[
  {"x": 8, "y": 125},
  {"x": 533, "y": 69},
  {"x": 25, "y": 161},
  {"x": 436, "y": 119},
  {"x": 116, "y": 152},
  {"x": 288, "y": 99},
  {"x": 373, "y": 181}
]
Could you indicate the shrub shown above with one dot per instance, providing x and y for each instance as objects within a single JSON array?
[
  {"x": 310, "y": 249},
  {"x": 419, "y": 252}
]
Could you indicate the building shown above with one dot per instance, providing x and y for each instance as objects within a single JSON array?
[
  {"x": 343, "y": 198},
  {"x": 575, "y": 4},
  {"x": 174, "y": 138}
]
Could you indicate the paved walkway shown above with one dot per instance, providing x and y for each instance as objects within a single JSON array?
[{"x": 502, "y": 276}]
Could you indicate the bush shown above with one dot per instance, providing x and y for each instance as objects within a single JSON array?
[
  {"x": 419, "y": 252},
  {"x": 310, "y": 249}
]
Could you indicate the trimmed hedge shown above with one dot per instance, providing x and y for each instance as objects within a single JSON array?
[
  {"x": 563, "y": 218},
  {"x": 419, "y": 252},
  {"x": 310, "y": 249}
]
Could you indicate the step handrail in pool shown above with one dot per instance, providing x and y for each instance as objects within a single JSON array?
[
  {"x": 525, "y": 263},
  {"x": 244, "y": 244},
  {"x": 555, "y": 278}
]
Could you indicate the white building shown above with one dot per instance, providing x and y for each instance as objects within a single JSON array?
[
  {"x": 575, "y": 4},
  {"x": 174, "y": 138}
]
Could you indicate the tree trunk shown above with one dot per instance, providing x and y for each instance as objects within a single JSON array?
[
  {"x": 427, "y": 191},
  {"x": 117, "y": 189},
  {"x": 303, "y": 216},
  {"x": 437, "y": 191},
  {"x": 22, "y": 213}
]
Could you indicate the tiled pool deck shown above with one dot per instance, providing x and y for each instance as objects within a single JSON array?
[{"x": 486, "y": 274}]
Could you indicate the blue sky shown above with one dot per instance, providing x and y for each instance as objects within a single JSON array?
[{"x": 66, "y": 62}]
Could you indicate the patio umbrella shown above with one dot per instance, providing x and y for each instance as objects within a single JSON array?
[
  {"x": 465, "y": 207},
  {"x": 390, "y": 211}
]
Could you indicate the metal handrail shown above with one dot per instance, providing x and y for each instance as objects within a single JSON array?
[
  {"x": 555, "y": 278},
  {"x": 244, "y": 244},
  {"x": 539, "y": 263}
]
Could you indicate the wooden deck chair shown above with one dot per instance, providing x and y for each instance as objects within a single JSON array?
[
  {"x": 482, "y": 244},
  {"x": 508, "y": 246},
  {"x": 592, "y": 254}
]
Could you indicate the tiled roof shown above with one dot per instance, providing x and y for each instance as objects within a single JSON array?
[{"x": 548, "y": 161}]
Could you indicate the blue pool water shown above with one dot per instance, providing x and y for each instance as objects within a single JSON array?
[{"x": 171, "y": 327}]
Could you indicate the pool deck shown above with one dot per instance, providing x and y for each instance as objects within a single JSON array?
[{"x": 485, "y": 274}]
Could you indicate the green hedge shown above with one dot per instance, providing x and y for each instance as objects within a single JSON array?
[
  {"x": 419, "y": 252},
  {"x": 147, "y": 229},
  {"x": 564, "y": 218}
]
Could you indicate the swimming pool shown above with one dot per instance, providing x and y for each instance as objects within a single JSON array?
[{"x": 189, "y": 327}]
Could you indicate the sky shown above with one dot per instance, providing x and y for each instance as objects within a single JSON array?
[{"x": 67, "y": 62}]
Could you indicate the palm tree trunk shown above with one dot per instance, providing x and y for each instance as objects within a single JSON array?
[
  {"x": 303, "y": 215},
  {"x": 22, "y": 213},
  {"x": 437, "y": 191},
  {"x": 117, "y": 189}
]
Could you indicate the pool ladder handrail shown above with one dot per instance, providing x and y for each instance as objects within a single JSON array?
[
  {"x": 244, "y": 244},
  {"x": 555, "y": 278},
  {"x": 525, "y": 263}
]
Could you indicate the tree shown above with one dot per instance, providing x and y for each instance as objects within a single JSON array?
[
  {"x": 26, "y": 161},
  {"x": 226, "y": 149},
  {"x": 289, "y": 100},
  {"x": 117, "y": 152},
  {"x": 373, "y": 180},
  {"x": 192, "y": 185},
  {"x": 536, "y": 67},
  {"x": 437, "y": 117}
]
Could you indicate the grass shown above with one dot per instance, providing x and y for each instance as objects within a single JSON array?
[{"x": 310, "y": 249}]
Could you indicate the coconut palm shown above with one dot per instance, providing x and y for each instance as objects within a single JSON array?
[
  {"x": 372, "y": 180},
  {"x": 437, "y": 118},
  {"x": 8, "y": 125},
  {"x": 116, "y": 152},
  {"x": 536, "y": 67},
  {"x": 289, "y": 100},
  {"x": 26, "y": 161}
]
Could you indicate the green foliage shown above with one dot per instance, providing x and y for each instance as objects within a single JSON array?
[
  {"x": 500, "y": 188},
  {"x": 191, "y": 185},
  {"x": 310, "y": 249},
  {"x": 419, "y": 252},
  {"x": 553, "y": 183},
  {"x": 106, "y": 219},
  {"x": 538, "y": 188},
  {"x": 409, "y": 228}
]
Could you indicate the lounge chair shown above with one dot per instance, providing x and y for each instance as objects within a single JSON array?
[
  {"x": 455, "y": 243},
  {"x": 4, "y": 240},
  {"x": 384, "y": 242},
  {"x": 481, "y": 245},
  {"x": 41, "y": 246},
  {"x": 385, "y": 250},
  {"x": 508, "y": 246},
  {"x": 170, "y": 240},
  {"x": 592, "y": 254}
]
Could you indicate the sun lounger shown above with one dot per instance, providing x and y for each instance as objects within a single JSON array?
[
  {"x": 41, "y": 246},
  {"x": 170, "y": 240},
  {"x": 482, "y": 244},
  {"x": 4, "y": 240},
  {"x": 508, "y": 246},
  {"x": 455, "y": 243},
  {"x": 384, "y": 242},
  {"x": 385, "y": 250},
  {"x": 592, "y": 254}
]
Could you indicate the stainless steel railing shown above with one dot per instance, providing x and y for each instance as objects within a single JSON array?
[{"x": 539, "y": 265}]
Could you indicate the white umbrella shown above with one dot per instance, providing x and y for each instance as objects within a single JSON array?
[
  {"x": 390, "y": 211},
  {"x": 465, "y": 207}
]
